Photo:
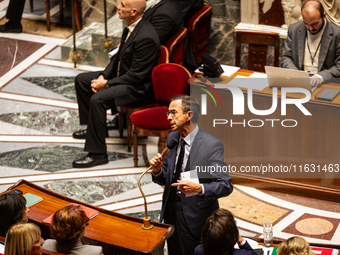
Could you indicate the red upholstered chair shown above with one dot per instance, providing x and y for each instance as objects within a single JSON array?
[
  {"x": 199, "y": 32},
  {"x": 164, "y": 55},
  {"x": 168, "y": 81},
  {"x": 128, "y": 109},
  {"x": 176, "y": 47}
]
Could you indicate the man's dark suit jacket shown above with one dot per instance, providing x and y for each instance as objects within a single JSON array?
[
  {"x": 189, "y": 9},
  {"x": 329, "y": 56},
  {"x": 206, "y": 150},
  {"x": 138, "y": 56},
  {"x": 244, "y": 250},
  {"x": 166, "y": 19}
]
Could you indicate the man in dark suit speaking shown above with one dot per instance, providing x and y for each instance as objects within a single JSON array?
[
  {"x": 313, "y": 45},
  {"x": 126, "y": 79},
  {"x": 186, "y": 203}
]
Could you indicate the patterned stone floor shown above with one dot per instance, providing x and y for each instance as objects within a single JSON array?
[{"x": 38, "y": 114}]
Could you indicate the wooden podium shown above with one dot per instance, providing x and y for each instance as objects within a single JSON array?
[{"x": 116, "y": 233}]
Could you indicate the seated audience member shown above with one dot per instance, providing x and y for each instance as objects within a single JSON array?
[
  {"x": 23, "y": 239},
  {"x": 295, "y": 245},
  {"x": 189, "y": 9},
  {"x": 313, "y": 45},
  {"x": 126, "y": 79},
  {"x": 12, "y": 210},
  {"x": 220, "y": 234},
  {"x": 67, "y": 228},
  {"x": 165, "y": 17}
]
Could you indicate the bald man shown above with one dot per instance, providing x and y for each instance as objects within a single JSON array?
[
  {"x": 313, "y": 45},
  {"x": 126, "y": 79}
]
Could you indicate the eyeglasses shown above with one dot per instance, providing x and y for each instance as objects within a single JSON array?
[{"x": 172, "y": 113}]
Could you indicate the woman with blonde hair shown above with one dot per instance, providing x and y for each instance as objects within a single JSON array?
[
  {"x": 23, "y": 239},
  {"x": 295, "y": 245},
  {"x": 67, "y": 229}
]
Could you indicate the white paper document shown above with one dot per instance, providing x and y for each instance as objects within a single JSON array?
[
  {"x": 2, "y": 248},
  {"x": 190, "y": 176},
  {"x": 256, "y": 81},
  {"x": 229, "y": 70},
  {"x": 113, "y": 52}
]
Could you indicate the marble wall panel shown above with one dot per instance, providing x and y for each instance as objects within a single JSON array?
[
  {"x": 59, "y": 122},
  {"x": 91, "y": 191},
  {"x": 47, "y": 157},
  {"x": 226, "y": 15},
  {"x": 15, "y": 51},
  {"x": 93, "y": 11}
]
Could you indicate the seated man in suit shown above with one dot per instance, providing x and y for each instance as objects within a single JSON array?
[
  {"x": 313, "y": 45},
  {"x": 165, "y": 16},
  {"x": 189, "y": 9},
  {"x": 126, "y": 79},
  {"x": 196, "y": 149}
]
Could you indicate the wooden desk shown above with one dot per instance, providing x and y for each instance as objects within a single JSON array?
[
  {"x": 116, "y": 233},
  {"x": 315, "y": 140}
]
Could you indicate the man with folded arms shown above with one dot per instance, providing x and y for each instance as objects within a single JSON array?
[
  {"x": 126, "y": 79},
  {"x": 187, "y": 204},
  {"x": 313, "y": 45}
]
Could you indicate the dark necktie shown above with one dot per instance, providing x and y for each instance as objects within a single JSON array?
[
  {"x": 180, "y": 161},
  {"x": 124, "y": 35}
]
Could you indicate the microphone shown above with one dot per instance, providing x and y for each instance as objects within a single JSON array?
[
  {"x": 146, "y": 220},
  {"x": 169, "y": 146}
]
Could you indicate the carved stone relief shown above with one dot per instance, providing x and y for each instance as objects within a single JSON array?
[
  {"x": 292, "y": 11},
  {"x": 332, "y": 8}
]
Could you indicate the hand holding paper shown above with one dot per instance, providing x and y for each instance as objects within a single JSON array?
[{"x": 188, "y": 188}]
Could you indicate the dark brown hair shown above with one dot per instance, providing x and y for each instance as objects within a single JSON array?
[
  {"x": 12, "y": 208},
  {"x": 220, "y": 233},
  {"x": 68, "y": 224},
  {"x": 319, "y": 7},
  {"x": 189, "y": 104}
]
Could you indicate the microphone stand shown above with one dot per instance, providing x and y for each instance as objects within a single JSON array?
[
  {"x": 146, "y": 220},
  {"x": 108, "y": 43}
]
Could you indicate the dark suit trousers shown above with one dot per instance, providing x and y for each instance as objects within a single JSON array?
[
  {"x": 182, "y": 242},
  {"x": 14, "y": 10},
  {"x": 92, "y": 110}
]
